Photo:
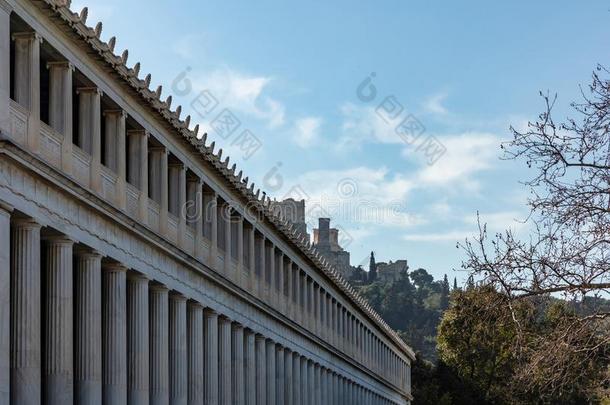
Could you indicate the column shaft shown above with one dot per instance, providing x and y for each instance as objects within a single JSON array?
[
  {"x": 137, "y": 341},
  {"x": 114, "y": 150},
  {"x": 211, "y": 356},
  {"x": 296, "y": 376},
  {"x": 89, "y": 131},
  {"x": 196, "y": 388},
  {"x": 58, "y": 360},
  {"x": 27, "y": 82},
  {"x": 224, "y": 361},
  {"x": 88, "y": 332},
  {"x": 261, "y": 370},
  {"x": 5, "y": 278},
  {"x": 270, "y": 375},
  {"x": 25, "y": 371},
  {"x": 304, "y": 381},
  {"x": 5, "y": 89},
  {"x": 178, "y": 360},
  {"x": 250, "y": 367},
  {"x": 114, "y": 335},
  {"x": 288, "y": 378},
  {"x": 279, "y": 375},
  {"x": 238, "y": 366},
  {"x": 60, "y": 108},
  {"x": 159, "y": 344}
]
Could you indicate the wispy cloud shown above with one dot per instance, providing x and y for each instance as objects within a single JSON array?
[
  {"x": 190, "y": 46},
  {"x": 307, "y": 131},
  {"x": 434, "y": 104}
]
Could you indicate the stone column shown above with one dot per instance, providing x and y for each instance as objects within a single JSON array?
[
  {"x": 305, "y": 394},
  {"x": 270, "y": 372},
  {"x": 252, "y": 257},
  {"x": 137, "y": 169},
  {"x": 27, "y": 82},
  {"x": 289, "y": 282},
  {"x": 5, "y": 91},
  {"x": 194, "y": 327},
  {"x": 5, "y": 283},
  {"x": 226, "y": 214},
  {"x": 262, "y": 283},
  {"x": 280, "y": 273},
  {"x": 317, "y": 384},
  {"x": 297, "y": 295},
  {"x": 311, "y": 306},
  {"x": 58, "y": 361},
  {"x": 296, "y": 378},
  {"x": 279, "y": 375},
  {"x": 237, "y": 369},
  {"x": 114, "y": 334},
  {"x": 195, "y": 213},
  {"x": 311, "y": 388},
  {"x": 178, "y": 360},
  {"x": 224, "y": 361},
  {"x": 288, "y": 378},
  {"x": 240, "y": 248},
  {"x": 211, "y": 356},
  {"x": 159, "y": 345},
  {"x": 89, "y": 131},
  {"x": 114, "y": 148},
  {"x": 179, "y": 193},
  {"x": 60, "y": 108},
  {"x": 210, "y": 210},
  {"x": 335, "y": 385},
  {"x": 261, "y": 370},
  {"x": 137, "y": 340},
  {"x": 250, "y": 367},
  {"x": 25, "y": 373},
  {"x": 158, "y": 172},
  {"x": 88, "y": 327}
]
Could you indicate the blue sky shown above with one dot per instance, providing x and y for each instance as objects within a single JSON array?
[{"x": 289, "y": 72}]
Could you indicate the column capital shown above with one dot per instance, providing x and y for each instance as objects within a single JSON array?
[
  {"x": 84, "y": 251},
  {"x": 194, "y": 304},
  {"x": 135, "y": 276},
  {"x": 141, "y": 132},
  {"x": 115, "y": 267},
  {"x": 30, "y": 35},
  {"x": 177, "y": 296},
  {"x": 209, "y": 312},
  {"x": 60, "y": 64},
  {"x": 7, "y": 208},
  {"x": 27, "y": 223},
  {"x": 158, "y": 287},
  {"x": 58, "y": 239},
  {"x": 119, "y": 112},
  {"x": 6, "y": 6},
  {"x": 86, "y": 90}
]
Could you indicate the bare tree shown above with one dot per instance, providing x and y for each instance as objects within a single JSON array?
[{"x": 567, "y": 254}]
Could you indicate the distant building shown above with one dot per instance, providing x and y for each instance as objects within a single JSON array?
[
  {"x": 294, "y": 211},
  {"x": 389, "y": 272},
  {"x": 326, "y": 240}
]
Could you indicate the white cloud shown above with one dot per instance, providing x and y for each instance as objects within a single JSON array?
[
  {"x": 451, "y": 236},
  {"x": 359, "y": 195},
  {"x": 434, "y": 104},
  {"x": 307, "y": 131},
  {"x": 466, "y": 154},
  {"x": 242, "y": 93},
  {"x": 363, "y": 125}
]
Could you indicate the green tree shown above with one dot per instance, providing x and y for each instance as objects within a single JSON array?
[{"x": 444, "y": 300}]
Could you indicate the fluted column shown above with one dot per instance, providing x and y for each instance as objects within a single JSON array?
[
  {"x": 114, "y": 334},
  {"x": 25, "y": 371},
  {"x": 194, "y": 326},
  {"x": 252, "y": 257},
  {"x": 137, "y": 340},
  {"x": 5, "y": 119},
  {"x": 226, "y": 222},
  {"x": 305, "y": 395},
  {"x": 88, "y": 328},
  {"x": 27, "y": 82},
  {"x": 261, "y": 370},
  {"x": 89, "y": 131},
  {"x": 311, "y": 387},
  {"x": 159, "y": 345},
  {"x": 279, "y": 375},
  {"x": 137, "y": 169},
  {"x": 238, "y": 367},
  {"x": 335, "y": 388},
  {"x": 296, "y": 378},
  {"x": 210, "y": 210},
  {"x": 288, "y": 378},
  {"x": 240, "y": 249},
  {"x": 211, "y": 356},
  {"x": 114, "y": 148},
  {"x": 58, "y": 361},
  {"x": 194, "y": 213},
  {"x": 5, "y": 280},
  {"x": 224, "y": 361},
  {"x": 317, "y": 384},
  {"x": 177, "y": 197},
  {"x": 60, "y": 107},
  {"x": 178, "y": 360},
  {"x": 250, "y": 367},
  {"x": 270, "y": 375}
]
